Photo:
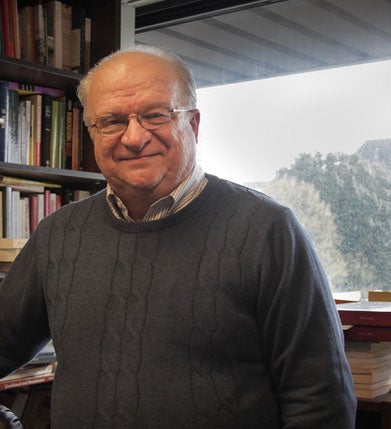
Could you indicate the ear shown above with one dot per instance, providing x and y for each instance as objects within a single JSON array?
[{"x": 195, "y": 122}]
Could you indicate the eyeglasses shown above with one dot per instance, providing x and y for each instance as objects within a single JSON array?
[{"x": 151, "y": 118}]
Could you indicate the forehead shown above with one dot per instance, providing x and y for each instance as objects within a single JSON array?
[{"x": 134, "y": 78}]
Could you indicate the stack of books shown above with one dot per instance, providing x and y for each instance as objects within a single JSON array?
[
  {"x": 9, "y": 249},
  {"x": 40, "y": 370},
  {"x": 367, "y": 329},
  {"x": 370, "y": 364}
]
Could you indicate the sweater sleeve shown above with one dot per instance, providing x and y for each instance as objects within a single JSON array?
[
  {"x": 301, "y": 333},
  {"x": 23, "y": 318}
]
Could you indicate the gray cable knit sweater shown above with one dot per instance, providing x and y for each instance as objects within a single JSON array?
[{"x": 216, "y": 317}]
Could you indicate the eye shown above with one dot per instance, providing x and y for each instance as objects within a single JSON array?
[
  {"x": 156, "y": 115},
  {"x": 111, "y": 121}
]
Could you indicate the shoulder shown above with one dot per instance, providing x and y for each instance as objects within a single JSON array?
[
  {"x": 76, "y": 211},
  {"x": 247, "y": 200}
]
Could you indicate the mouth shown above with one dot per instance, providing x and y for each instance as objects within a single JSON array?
[{"x": 137, "y": 158}]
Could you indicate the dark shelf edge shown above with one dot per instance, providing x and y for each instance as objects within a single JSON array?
[
  {"x": 17, "y": 70},
  {"x": 46, "y": 174}
]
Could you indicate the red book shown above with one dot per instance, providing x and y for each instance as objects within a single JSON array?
[
  {"x": 367, "y": 333},
  {"x": 46, "y": 203},
  {"x": 373, "y": 313},
  {"x": 8, "y": 28},
  {"x": 26, "y": 381},
  {"x": 33, "y": 212}
]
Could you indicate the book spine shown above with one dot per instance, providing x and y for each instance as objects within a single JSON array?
[
  {"x": 76, "y": 136},
  {"x": 33, "y": 213},
  {"x": 46, "y": 127},
  {"x": 14, "y": 16},
  {"x": 368, "y": 333},
  {"x": 362, "y": 317},
  {"x": 46, "y": 206},
  {"x": 66, "y": 36},
  {"x": 8, "y": 28},
  {"x": 39, "y": 33},
  {"x": 54, "y": 135},
  {"x": 68, "y": 135},
  {"x": 26, "y": 16},
  {"x": 13, "y": 146},
  {"x": 7, "y": 205},
  {"x": 27, "y": 381},
  {"x": 61, "y": 132},
  {"x": 4, "y": 95}
]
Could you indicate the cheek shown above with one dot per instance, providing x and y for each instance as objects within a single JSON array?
[{"x": 103, "y": 154}]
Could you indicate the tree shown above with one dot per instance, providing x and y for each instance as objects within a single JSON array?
[
  {"x": 359, "y": 195},
  {"x": 316, "y": 217}
]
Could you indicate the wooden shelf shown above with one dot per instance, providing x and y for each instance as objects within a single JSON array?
[
  {"x": 45, "y": 174},
  {"x": 17, "y": 70}
]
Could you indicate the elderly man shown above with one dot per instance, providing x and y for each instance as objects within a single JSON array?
[{"x": 175, "y": 299}]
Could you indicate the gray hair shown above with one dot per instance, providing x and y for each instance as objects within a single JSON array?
[{"x": 184, "y": 71}]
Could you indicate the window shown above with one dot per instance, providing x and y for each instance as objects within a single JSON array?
[{"x": 295, "y": 101}]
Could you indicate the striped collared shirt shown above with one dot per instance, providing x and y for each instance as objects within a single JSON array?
[{"x": 179, "y": 198}]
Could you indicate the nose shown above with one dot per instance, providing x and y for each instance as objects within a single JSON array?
[{"x": 135, "y": 136}]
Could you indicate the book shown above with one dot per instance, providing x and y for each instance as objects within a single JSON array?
[
  {"x": 368, "y": 393},
  {"x": 15, "y": 226},
  {"x": 26, "y": 18},
  {"x": 31, "y": 371},
  {"x": 7, "y": 212},
  {"x": 350, "y": 296},
  {"x": 4, "y": 101},
  {"x": 87, "y": 44},
  {"x": 76, "y": 144},
  {"x": 39, "y": 32},
  {"x": 14, "y": 21},
  {"x": 36, "y": 128},
  {"x": 46, "y": 129},
  {"x": 80, "y": 194},
  {"x": 33, "y": 213},
  {"x": 68, "y": 134},
  {"x": 24, "y": 134},
  {"x": 66, "y": 17},
  {"x": 61, "y": 132},
  {"x": 10, "y": 248},
  {"x": 369, "y": 362},
  {"x": 379, "y": 295},
  {"x": 36, "y": 186},
  {"x": 12, "y": 132},
  {"x": 374, "y": 376},
  {"x": 46, "y": 355},
  {"x": 365, "y": 313},
  {"x": 367, "y": 348},
  {"x": 8, "y": 28},
  {"x": 54, "y": 135},
  {"x": 367, "y": 333},
  {"x": 26, "y": 381},
  {"x": 53, "y": 16}
]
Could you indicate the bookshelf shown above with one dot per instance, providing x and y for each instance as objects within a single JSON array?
[{"x": 105, "y": 38}]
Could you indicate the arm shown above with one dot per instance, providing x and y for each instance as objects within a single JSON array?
[
  {"x": 23, "y": 321},
  {"x": 301, "y": 332}
]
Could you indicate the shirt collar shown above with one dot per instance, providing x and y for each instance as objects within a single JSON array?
[{"x": 181, "y": 196}]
